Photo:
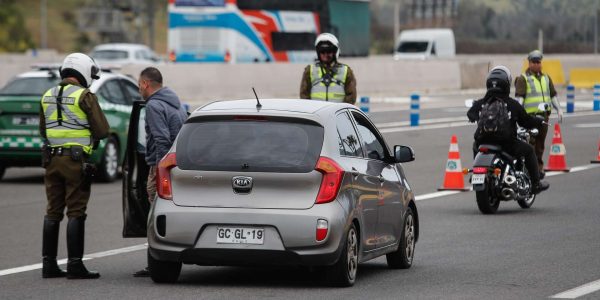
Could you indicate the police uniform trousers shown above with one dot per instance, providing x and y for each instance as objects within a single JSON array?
[
  {"x": 538, "y": 142},
  {"x": 66, "y": 186}
]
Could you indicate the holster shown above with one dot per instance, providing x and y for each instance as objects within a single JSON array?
[
  {"x": 46, "y": 155},
  {"x": 77, "y": 153},
  {"x": 89, "y": 170}
]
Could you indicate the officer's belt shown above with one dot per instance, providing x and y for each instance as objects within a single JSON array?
[{"x": 58, "y": 151}]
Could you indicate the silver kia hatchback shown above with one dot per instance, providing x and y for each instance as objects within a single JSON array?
[{"x": 275, "y": 182}]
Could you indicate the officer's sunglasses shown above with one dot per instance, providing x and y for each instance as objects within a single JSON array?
[{"x": 326, "y": 51}]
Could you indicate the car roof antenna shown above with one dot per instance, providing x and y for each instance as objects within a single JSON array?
[{"x": 258, "y": 105}]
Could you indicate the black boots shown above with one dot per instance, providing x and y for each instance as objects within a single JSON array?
[
  {"x": 50, "y": 268},
  {"x": 75, "y": 234},
  {"x": 540, "y": 187}
]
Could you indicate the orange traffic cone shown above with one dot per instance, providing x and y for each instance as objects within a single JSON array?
[
  {"x": 597, "y": 160},
  {"x": 453, "y": 178},
  {"x": 557, "y": 161}
]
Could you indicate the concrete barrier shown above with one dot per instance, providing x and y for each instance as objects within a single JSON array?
[
  {"x": 584, "y": 77},
  {"x": 377, "y": 76}
]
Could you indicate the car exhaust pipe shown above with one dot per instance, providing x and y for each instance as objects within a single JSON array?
[{"x": 508, "y": 193}]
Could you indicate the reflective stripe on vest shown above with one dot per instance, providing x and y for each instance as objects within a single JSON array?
[
  {"x": 538, "y": 91},
  {"x": 335, "y": 91},
  {"x": 73, "y": 128}
]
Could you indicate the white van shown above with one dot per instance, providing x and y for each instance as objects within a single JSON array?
[{"x": 425, "y": 44}]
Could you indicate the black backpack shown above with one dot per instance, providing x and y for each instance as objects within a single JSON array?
[{"x": 494, "y": 120}]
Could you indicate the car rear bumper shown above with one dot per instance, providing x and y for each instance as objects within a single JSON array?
[{"x": 290, "y": 235}]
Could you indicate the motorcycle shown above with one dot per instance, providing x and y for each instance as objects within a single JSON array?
[{"x": 498, "y": 176}]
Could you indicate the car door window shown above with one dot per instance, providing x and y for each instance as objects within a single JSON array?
[
  {"x": 347, "y": 138},
  {"x": 132, "y": 91},
  {"x": 111, "y": 91},
  {"x": 370, "y": 142}
]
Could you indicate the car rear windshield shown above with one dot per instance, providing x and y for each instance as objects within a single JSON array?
[
  {"x": 413, "y": 47},
  {"x": 109, "y": 54},
  {"x": 239, "y": 144},
  {"x": 29, "y": 86}
]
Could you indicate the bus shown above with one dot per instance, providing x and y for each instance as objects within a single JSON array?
[{"x": 246, "y": 31}]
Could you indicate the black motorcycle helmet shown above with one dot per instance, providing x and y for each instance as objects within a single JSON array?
[{"x": 499, "y": 80}]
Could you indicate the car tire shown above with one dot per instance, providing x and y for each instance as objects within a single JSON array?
[
  {"x": 403, "y": 257},
  {"x": 108, "y": 169},
  {"x": 343, "y": 272},
  {"x": 163, "y": 271}
]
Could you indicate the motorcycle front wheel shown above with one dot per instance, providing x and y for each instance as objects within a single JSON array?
[
  {"x": 486, "y": 202},
  {"x": 527, "y": 202}
]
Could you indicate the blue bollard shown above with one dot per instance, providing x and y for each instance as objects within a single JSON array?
[
  {"x": 364, "y": 104},
  {"x": 596, "y": 97},
  {"x": 570, "y": 98},
  {"x": 414, "y": 110}
]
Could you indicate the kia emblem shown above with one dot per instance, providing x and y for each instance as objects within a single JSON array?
[{"x": 241, "y": 183}]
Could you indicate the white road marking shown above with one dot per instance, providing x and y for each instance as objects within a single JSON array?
[
  {"x": 587, "y": 125},
  {"x": 548, "y": 174},
  {"x": 579, "y": 291},
  {"x": 64, "y": 261},
  {"x": 144, "y": 246}
]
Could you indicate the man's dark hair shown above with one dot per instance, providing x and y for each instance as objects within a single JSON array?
[{"x": 152, "y": 74}]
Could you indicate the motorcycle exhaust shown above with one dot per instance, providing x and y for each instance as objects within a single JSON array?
[
  {"x": 510, "y": 180},
  {"x": 508, "y": 193}
]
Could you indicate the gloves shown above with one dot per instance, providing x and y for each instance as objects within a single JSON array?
[{"x": 560, "y": 116}]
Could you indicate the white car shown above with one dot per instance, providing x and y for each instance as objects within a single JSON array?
[{"x": 124, "y": 54}]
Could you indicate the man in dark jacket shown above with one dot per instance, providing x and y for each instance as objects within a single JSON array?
[
  {"x": 164, "y": 117},
  {"x": 498, "y": 85}
]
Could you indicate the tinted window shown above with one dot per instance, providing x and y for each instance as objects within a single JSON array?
[
  {"x": 288, "y": 41},
  {"x": 372, "y": 145},
  {"x": 109, "y": 54},
  {"x": 111, "y": 91},
  {"x": 132, "y": 90},
  {"x": 30, "y": 86},
  {"x": 283, "y": 145},
  {"x": 348, "y": 141},
  {"x": 413, "y": 47}
]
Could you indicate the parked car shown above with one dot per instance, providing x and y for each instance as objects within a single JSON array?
[
  {"x": 122, "y": 53},
  {"x": 20, "y": 141},
  {"x": 291, "y": 182},
  {"x": 425, "y": 44}
]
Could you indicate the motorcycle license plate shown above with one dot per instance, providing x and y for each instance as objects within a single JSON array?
[{"x": 478, "y": 179}]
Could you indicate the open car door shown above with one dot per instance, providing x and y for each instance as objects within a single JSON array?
[{"x": 135, "y": 175}]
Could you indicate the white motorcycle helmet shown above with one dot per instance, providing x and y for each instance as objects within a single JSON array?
[
  {"x": 327, "y": 40},
  {"x": 80, "y": 66}
]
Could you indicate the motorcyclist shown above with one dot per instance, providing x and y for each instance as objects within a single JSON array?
[{"x": 498, "y": 85}]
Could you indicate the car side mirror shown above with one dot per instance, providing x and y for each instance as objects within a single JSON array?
[{"x": 403, "y": 154}]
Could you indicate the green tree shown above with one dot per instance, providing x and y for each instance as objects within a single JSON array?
[{"x": 14, "y": 36}]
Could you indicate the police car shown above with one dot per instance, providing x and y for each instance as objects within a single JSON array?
[{"x": 20, "y": 141}]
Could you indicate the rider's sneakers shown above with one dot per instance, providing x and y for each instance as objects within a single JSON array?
[{"x": 540, "y": 187}]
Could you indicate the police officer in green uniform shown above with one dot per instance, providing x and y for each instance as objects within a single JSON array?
[
  {"x": 71, "y": 124},
  {"x": 327, "y": 79},
  {"x": 531, "y": 89}
]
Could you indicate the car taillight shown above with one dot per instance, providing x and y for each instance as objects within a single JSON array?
[
  {"x": 163, "y": 176},
  {"x": 322, "y": 228},
  {"x": 332, "y": 179},
  {"x": 480, "y": 170}
]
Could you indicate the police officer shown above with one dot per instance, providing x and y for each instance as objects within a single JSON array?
[
  {"x": 327, "y": 79},
  {"x": 71, "y": 123},
  {"x": 531, "y": 89}
]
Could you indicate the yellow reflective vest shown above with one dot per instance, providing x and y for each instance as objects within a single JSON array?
[
  {"x": 327, "y": 87},
  {"x": 538, "y": 91},
  {"x": 66, "y": 123}
]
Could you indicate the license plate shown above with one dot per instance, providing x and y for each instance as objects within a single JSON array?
[
  {"x": 240, "y": 235},
  {"x": 26, "y": 120},
  {"x": 478, "y": 179}
]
